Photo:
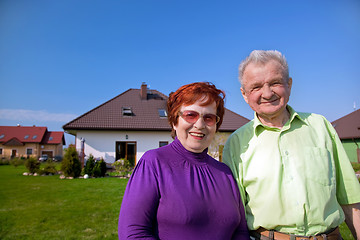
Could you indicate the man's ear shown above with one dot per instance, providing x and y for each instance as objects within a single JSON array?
[
  {"x": 244, "y": 95},
  {"x": 290, "y": 84}
]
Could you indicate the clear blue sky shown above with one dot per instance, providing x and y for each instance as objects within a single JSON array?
[{"x": 60, "y": 59}]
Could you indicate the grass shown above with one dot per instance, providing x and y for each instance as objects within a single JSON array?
[{"x": 51, "y": 208}]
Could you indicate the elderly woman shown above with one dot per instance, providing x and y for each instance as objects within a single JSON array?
[{"x": 178, "y": 191}]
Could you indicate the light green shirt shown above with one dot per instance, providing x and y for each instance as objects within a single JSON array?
[{"x": 293, "y": 179}]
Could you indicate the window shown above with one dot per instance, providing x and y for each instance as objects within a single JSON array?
[
  {"x": 1, "y": 151},
  {"x": 34, "y": 137},
  {"x": 2, "y": 136},
  {"x": 163, "y": 143},
  {"x": 26, "y": 137},
  {"x": 162, "y": 113},
  {"x": 126, "y": 111},
  {"x": 51, "y": 138},
  {"x": 29, "y": 151}
]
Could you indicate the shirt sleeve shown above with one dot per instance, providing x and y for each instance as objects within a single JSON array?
[
  {"x": 347, "y": 185},
  {"x": 137, "y": 217},
  {"x": 231, "y": 157}
]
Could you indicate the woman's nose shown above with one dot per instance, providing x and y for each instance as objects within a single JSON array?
[{"x": 199, "y": 124}]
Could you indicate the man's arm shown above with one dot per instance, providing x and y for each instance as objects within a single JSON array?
[{"x": 352, "y": 218}]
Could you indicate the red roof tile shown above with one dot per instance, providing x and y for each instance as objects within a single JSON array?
[
  {"x": 145, "y": 114},
  {"x": 348, "y": 127},
  {"x": 24, "y": 134},
  {"x": 53, "y": 138}
]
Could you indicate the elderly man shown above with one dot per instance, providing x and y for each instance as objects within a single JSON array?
[{"x": 294, "y": 176}]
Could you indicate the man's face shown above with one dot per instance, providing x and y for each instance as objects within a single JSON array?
[{"x": 265, "y": 89}]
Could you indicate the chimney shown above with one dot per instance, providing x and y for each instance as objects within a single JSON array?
[{"x": 143, "y": 91}]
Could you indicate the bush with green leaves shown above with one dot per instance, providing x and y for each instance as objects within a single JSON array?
[
  {"x": 99, "y": 169},
  {"x": 4, "y": 161},
  {"x": 123, "y": 167},
  {"x": 89, "y": 166},
  {"x": 17, "y": 161},
  {"x": 49, "y": 168},
  {"x": 32, "y": 165},
  {"x": 71, "y": 165}
]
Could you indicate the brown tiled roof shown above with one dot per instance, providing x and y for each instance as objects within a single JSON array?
[
  {"x": 348, "y": 127},
  {"x": 109, "y": 116},
  {"x": 10, "y": 135},
  {"x": 232, "y": 121}
]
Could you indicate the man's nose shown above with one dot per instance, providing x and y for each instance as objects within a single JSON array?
[{"x": 267, "y": 92}]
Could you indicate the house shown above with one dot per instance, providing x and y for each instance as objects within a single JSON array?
[
  {"x": 348, "y": 129},
  {"x": 21, "y": 141},
  {"x": 133, "y": 122}
]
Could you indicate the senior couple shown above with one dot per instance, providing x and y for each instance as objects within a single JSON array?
[{"x": 286, "y": 174}]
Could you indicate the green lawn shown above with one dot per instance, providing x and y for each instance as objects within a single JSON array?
[{"x": 51, "y": 208}]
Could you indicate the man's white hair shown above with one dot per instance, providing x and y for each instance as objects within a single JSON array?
[{"x": 263, "y": 57}]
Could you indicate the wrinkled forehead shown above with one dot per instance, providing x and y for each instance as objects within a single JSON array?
[{"x": 259, "y": 71}]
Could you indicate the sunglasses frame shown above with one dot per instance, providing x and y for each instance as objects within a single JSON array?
[{"x": 200, "y": 115}]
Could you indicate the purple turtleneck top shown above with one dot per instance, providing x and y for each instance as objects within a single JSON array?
[{"x": 177, "y": 194}]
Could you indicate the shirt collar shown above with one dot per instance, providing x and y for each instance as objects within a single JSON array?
[{"x": 259, "y": 127}]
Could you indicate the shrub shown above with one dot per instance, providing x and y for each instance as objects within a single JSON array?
[
  {"x": 17, "y": 161},
  {"x": 123, "y": 167},
  {"x": 4, "y": 161},
  {"x": 89, "y": 166},
  {"x": 71, "y": 165},
  {"x": 49, "y": 168},
  {"x": 356, "y": 166},
  {"x": 32, "y": 165},
  {"x": 99, "y": 169}
]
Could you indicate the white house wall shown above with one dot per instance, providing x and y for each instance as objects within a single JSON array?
[{"x": 101, "y": 144}]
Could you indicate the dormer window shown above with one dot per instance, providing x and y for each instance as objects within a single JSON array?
[
  {"x": 126, "y": 111},
  {"x": 162, "y": 113}
]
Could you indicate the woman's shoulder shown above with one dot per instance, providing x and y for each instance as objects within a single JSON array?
[
  {"x": 220, "y": 166},
  {"x": 154, "y": 155}
]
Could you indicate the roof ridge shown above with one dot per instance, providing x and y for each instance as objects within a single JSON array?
[
  {"x": 238, "y": 114},
  {"x": 92, "y": 110},
  {"x": 345, "y": 116}
]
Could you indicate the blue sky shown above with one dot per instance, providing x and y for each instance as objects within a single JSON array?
[{"x": 60, "y": 59}]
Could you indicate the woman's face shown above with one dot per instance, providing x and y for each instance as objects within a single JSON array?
[{"x": 196, "y": 136}]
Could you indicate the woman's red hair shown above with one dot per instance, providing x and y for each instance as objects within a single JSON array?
[{"x": 189, "y": 94}]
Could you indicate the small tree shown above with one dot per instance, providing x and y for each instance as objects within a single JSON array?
[
  {"x": 89, "y": 166},
  {"x": 71, "y": 165},
  {"x": 32, "y": 165},
  {"x": 99, "y": 168}
]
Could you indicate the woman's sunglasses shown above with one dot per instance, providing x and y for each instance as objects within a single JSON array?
[{"x": 192, "y": 117}]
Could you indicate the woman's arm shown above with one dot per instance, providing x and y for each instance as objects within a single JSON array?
[{"x": 139, "y": 206}]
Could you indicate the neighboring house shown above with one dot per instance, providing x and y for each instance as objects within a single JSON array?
[
  {"x": 348, "y": 129},
  {"x": 133, "y": 122},
  {"x": 21, "y": 141}
]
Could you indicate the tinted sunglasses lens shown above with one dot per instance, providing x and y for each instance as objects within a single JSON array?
[
  {"x": 210, "y": 119},
  {"x": 190, "y": 116}
]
